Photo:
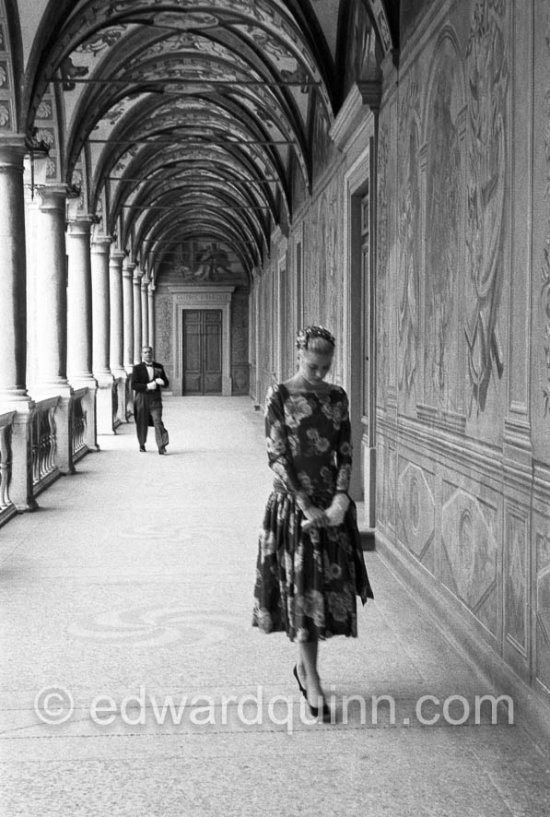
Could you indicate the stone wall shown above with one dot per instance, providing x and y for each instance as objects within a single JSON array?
[
  {"x": 462, "y": 275},
  {"x": 463, "y": 281}
]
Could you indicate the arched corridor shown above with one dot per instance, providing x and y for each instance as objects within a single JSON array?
[
  {"x": 207, "y": 178},
  {"x": 130, "y": 591}
]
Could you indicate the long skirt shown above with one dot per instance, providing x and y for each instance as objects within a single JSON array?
[{"x": 307, "y": 581}]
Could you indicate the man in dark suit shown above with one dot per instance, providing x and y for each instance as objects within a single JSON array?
[{"x": 148, "y": 380}]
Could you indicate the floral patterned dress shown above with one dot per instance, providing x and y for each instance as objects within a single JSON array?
[{"x": 307, "y": 580}]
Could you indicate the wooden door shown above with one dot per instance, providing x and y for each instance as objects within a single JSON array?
[{"x": 202, "y": 351}]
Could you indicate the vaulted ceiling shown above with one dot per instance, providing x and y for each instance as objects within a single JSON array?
[{"x": 185, "y": 118}]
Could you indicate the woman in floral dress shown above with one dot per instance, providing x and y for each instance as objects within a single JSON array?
[{"x": 310, "y": 561}]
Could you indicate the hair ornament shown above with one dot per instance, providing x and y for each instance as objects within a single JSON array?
[{"x": 304, "y": 336}]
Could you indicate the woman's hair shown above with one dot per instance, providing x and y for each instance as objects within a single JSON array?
[{"x": 316, "y": 339}]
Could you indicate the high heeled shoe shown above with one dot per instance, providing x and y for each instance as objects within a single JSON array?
[
  {"x": 300, "y": 686},
  {"x": 314, "y": 710}
]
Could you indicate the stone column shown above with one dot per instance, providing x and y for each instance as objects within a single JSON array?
[
  {"x": 13, "y": 320},
  {"x": 151, "y": 314},
  {"x": 144, "y": 312},
  {"x": 128, "y": 350},
  {"x": 138, "y": 274},
  {"x": 116, "y": 345},
  {"x": 128, "y": 313},
  {"x": 79, "y": 314},
  {"x": 101, "y": 319},
  {"x": 49, "y": 316}
]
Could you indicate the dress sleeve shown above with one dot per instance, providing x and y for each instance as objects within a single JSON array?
[
  {"x": 344, "y": 450},
  {"x": 278, "y": 449}
]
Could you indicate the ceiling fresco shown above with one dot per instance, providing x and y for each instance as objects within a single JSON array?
[{"x": 188, "y": 118}]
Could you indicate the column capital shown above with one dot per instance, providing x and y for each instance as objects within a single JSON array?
[
  {"x": 12, "y": 153},
  {"x": 52, "y": 197},
  {"x": 138, "y": 274},
  {"x": 80, "y": 225},
  {"x": 117, "y": 255},
  {"x": 101, "y": 244},
  {"x": 128, "y": 268}
]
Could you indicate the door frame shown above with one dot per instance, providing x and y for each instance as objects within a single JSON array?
[
  {"x": 204, "y": 320},
  {"x": 201, "y": 297},
  {"x": 360, "y": 301}
]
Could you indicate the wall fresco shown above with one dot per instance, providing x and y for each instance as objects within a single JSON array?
[
  {"x": 443, "y": 210},
  {"x": 487, "y": 66},
  {"x": 516, "y": 542},
  {"x": 382, "y": 350},
  {"x": 470, "y": 547},
  {"x": 542, "y": 539},
  {"x": 409, "y": 226},
  {"x": 545, "y": 254},
  {"x": 416, "y": 511},
  {"x": 360, "y": 54},
  {"x": 164, "y": 350},
  {"x": 7, "y": 92}
]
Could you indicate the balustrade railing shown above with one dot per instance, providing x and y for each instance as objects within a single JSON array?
[
  {"x": 78, "y": 423},
  {"x": 5, "y": 463},
  {"x": 116, "y": 420},
  {"x": 129, "y": 399},
  {"x": 44, "y": 443}
]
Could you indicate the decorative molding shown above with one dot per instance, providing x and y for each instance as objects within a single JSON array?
[
  {"x": 362, "y": 102},
  {"x": 207, "y": 297}
]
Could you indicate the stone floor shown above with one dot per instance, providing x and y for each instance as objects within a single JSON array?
[{"x": 133, "y": 684}]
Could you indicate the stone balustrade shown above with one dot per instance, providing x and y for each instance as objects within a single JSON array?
[
  {"x": 44, "y": 444},
  {"x": 49, "y": 424},
  {"x": 79, "y": 421},
  {"x": 7, "y": 508}
]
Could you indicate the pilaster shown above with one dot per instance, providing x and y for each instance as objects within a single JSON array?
[
  {"x": 151, "y": 314},
  {"x": 145, "y": 312},
  {"x": 136, "y": 283},
  {"x": 116, "y": 344},
  {"x": 79, "y": 314},
  {"x": 49, "y": 317},
  {"x": 101, "y": 332},
  {"x": 128, "y": 313}
]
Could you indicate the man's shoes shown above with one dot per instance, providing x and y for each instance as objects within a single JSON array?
[
  {"x": 142, "y": 448},
  {"x": 162, "y": 450}
]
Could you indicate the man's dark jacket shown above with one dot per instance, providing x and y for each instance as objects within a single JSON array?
[{"x": 145, "y": 400}]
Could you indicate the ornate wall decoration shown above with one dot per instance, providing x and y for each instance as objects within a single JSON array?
[
  {"x": 70, "y": 72},
  {"x": 322, "y": 148},
  {"x": 319, "y": 266},
  {"x": 5, "y": 117},
  {"x": 201, "y": 262},
  {"x": 545, "y": 264},
  {"x": 543, "y": 604},
  {"x": 443, "y": 215},
  {"x": 409, "y": 235},
  {"x": 382, "y": 264},
  {"x": 334, "y": 272},
  {"x": 7, "y": 101},
  {"x": 164, "y": 329},
  {"x": 125, "y": 159},
  {"x": 416, "y": 507},
  {"x": 516, "y": 580},
  {"x": 469, "y": 543},
  {"x": 104, "y": 39},
  {"x": 44, "y": 110},
  {"x": 488, "y": 75},
  {"x": 361, "y": 59}
]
